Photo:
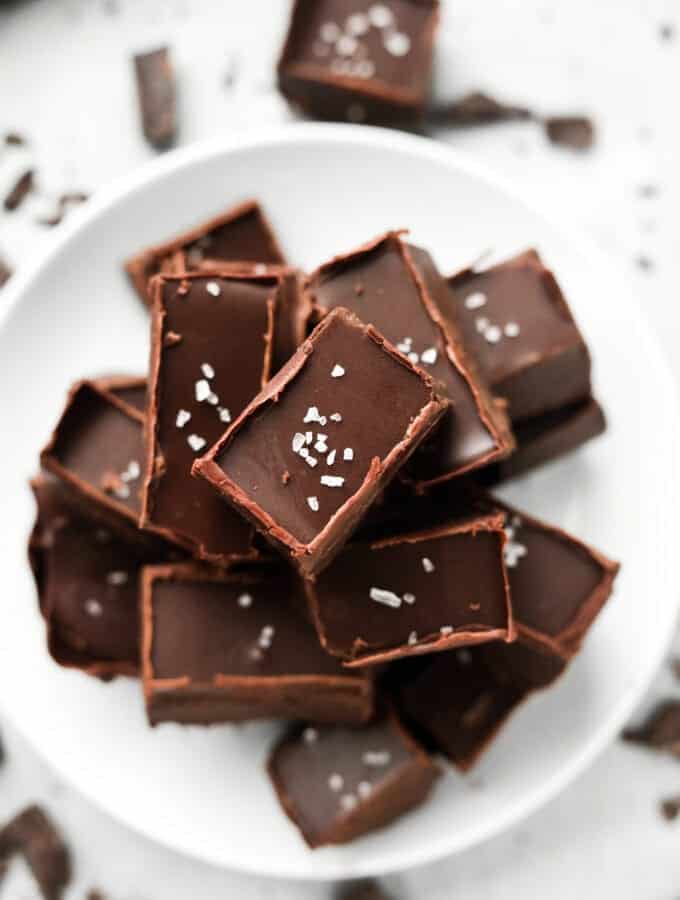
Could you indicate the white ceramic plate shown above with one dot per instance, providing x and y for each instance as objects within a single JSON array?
[{"x": 328, "y": 188}]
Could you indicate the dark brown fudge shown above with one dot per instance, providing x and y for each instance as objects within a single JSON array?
[
  {"x": 228, "y": 648},
  {"x": 516, "y": 323},
  {"x": 210, "y": 354},
  {"x": 157, "y": 96},
  {"x": 337, "y": 783},
  {"x": 242, "y": 234},
  {"x": 310, "y": 454},
  {"x": 415, "y": 593},
  {"x": 87, "y": 579},
  {"x": 397, "y": 288},
  {"x": 366, "y": 62}
]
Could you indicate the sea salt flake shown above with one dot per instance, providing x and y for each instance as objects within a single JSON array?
[
  {"x": 298, "y": 441},
  {"x": 481, "y": 324},
  {"x": 336, "y": 417},
  {"x": 410, "y": 599},
  {"x": 414, "y": 358},
  {"x": 376, "y": 758},
  {"x": 429, "y": 356},
  {"x": 310, "y": 735},
  {"x": 364, "y": 789},
  {"x": 207, "y": 370},
  {"x": 312, "y": 415},
  {"x": 365, "y": 69},
  {"x": 446, "y": 630},
  {"x": 117, "y": 578},
  {"x": 321, "y": 447},
  {"x": 213, "y": 288},
  {"x": 309, "y": 437},
  {"x": 330, "y": 459},
  {"x": 493, "y": 334},
  {"x": 413, "y": 638},
  {"x": 122, "y": 492},
  {"x": 346, "y": 45},
  {"x": 337, "y": 371},
  {"x": 397, "y": 43},
  {"x": 303, "y": 452},
  {"x": 388, "y": 598},
  {"x": 313, "y": 503},
  {"x": 213, "y": 399},
  {"x": 93, "y": 607},
  {"x": 196, "y": 442},
  {"x": 428, "y": 565},
  {"x": 348, "y": 454},
  {"x": 380, "y": 15},
  {"x": 311, "y": 461},
  {"x": 225, "y": 415},
  {"x": 358, "y": 24},
  {"x": 348, "y": 802},
  {"x": 336, "y": 782},
  {"x": 511, "y": 330},
  {"x": 202, "y": 389},
  {"x": 475, "y": 300},
  {"x": 183, "y": 416},
  {"x": 244, "y": 600},
  {"x": 330, "y": 32},
  {"x": 332, "y": 480}
]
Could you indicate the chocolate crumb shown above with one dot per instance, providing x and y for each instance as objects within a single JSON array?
[
  {"x": 661, "y": 731},
  {"x": 14, "y": 139},
  {"x": 477, "y": 108},
  {"x": 72, "y": 198},
  {"x": 670, "y": 808},
  {"x": 171, "y": 339},
  {"x": 5, "y": 273},
  {"x": 156, "y": 92},
  {"x": 667, "y": 31},
  {"x": 644, "y": 262},
  {"x": 32, "y": 834},
  {"x": 285, "y": 478},
  {"x": 364, "y": 890},
  {"x": 22, "y": 187},
  {"x": 575, "y": 132}
]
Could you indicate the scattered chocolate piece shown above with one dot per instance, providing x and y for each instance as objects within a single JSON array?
[
  {"x": 575, "y": 132},
  {"x": 476, "y": 108},
  {"x": 156, "y": 92},
  {"x": 317, "y": 419},
  {"x": 337, "y": 783},
  {"x": 5, "y": 273},
  {"x": 18, "y": 193},
  {"x": 33, "y": 834},
  {"x": 14, "y": 139},
  {"x": 670, "y": 808},
  {"x": 661, "y": 730},
  {"x": 64, "y": 201},
  {"x": 365, "y": 890},
  {"x": 371, "y": 66}
]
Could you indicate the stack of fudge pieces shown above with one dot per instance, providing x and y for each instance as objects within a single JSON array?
[{"x": 289, "y": 517}]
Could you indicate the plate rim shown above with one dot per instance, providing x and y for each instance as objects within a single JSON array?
[{"x": 158, "y": 168}]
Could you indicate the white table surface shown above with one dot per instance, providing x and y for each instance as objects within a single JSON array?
[{"x": 66, "y": 81}]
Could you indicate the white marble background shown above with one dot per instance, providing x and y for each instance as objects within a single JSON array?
[{"x": 66, "y": 81}]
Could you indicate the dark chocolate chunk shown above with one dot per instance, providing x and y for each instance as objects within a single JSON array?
[
  {"x": 156, "y": 93},
  {"x": 14, "y": 139},
  {"x": 5, "y": 273},
  {"x": 670, "y": 808},
  {"x": 229, "y": 648},
  {"x": 547, "y": 437},
  {"x": 397, "y": 288},
  {"x": 20, "y": 190},
  {"x": 337, "y": 783},
  {"x": 362, "y": 65},
  {"x": 517, "y": 325},
  {"x": 575, "y": 132},
  {"x": 196, "y": 387},
  {"x": 32, "y": 834},
  {"x": 661, "y": 730},
  {"x": 242, "y": 234},
  {"x": 319, "y": 420},
  {"x": 415, "y": 593},
  {"x": 476, "y": 108}
]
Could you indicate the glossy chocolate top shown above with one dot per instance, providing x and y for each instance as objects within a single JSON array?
[
  {"x": 98, "y": 448},
  {"x": 335, "y": 414},
  {"x": 241, "y": 234},
  {"x": 203, "y": 626},
  {"x": 211, "y": 346},
  {"x": 514, "y": 320},
  {"x": 415, "y": 593},
  {"x": 327, "y": 774},
  {"x": 392, "y": 286},
  {"x": 371, "y": 45}
]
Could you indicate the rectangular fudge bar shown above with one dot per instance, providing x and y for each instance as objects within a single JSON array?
[
  {"x": 211, "y": 339},
  {"x": 229, "y": 648},
  {"x": 337, "y": 783},
  {"x": 362, "y": 63},
  {"x": 396, "y": 287},
  {"x": 516, "y": 323},
  {"x": 546, "y": 438},
  {"x": 241, "y": 234},
  {"x": 310, "y": 454},
  {"x": 87, "y": 581},
  {"x": 415, "y": 593}
]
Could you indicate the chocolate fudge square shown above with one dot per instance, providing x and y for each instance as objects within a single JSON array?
[
  {"x": 397, "y": 288},
  {"x": 337, "y": 783},
  {"x": 87, "y": 579},
  {"x": 211, "y": 338},
  {"x": 310, "y": 454},
  {"x": 229, "y": 648},
  {"x": 517, "y": 324},
  {"x": 359, "y": 61},
  {"x": 415, "y": 593},
  {"x": 242, "y": 234}
]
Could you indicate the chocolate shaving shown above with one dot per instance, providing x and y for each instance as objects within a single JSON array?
[
  {"x": 156, "y": 91},
  {"x": 670, "y": 808},
  {"x": 661, "y": 731},
  {"x": 575, "y": 132},
  {"x": 71, "y": 198},
  {"x": 32, "y": 834},
  {"x": 364, "y": 890},
  {"x": 477, "y": 108},
  {"x": 14, "y": 139},
  {"x": 22, "y": 187},
  {"x": 5, "y": 273}
]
